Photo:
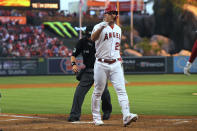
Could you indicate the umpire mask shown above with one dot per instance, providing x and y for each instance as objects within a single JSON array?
[{"x": 88, "y": 31}]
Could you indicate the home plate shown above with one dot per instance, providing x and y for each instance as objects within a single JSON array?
[{"x": 82, "y": 122}]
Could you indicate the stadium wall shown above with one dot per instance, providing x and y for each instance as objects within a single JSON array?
[{"x": 62, "y": 66}]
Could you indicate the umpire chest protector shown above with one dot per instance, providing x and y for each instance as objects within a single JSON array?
[{"x": 86, "y": 48}]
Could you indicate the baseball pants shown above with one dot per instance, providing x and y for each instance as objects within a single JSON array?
[
  {"x": 113, "y": 72},
  {"x": 83, "y": 87}
]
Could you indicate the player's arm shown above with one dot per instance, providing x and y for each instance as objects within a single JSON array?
[
  {"x": 76, "y": 51},
  {"x": 96, "y": 32},
  {"x": 73, "y": 62}
]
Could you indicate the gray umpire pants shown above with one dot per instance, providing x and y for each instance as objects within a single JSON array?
[{"x": 86, "y": 82}]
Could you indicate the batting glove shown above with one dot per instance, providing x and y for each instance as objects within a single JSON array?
[
  {"x": 187, "y": 68},
  {"x": 104, "y": 23}
]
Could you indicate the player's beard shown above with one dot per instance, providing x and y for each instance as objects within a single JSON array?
[{"x": 115, "y": 19}]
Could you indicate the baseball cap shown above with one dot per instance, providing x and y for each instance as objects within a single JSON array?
[{"x": 111, "y": 9}]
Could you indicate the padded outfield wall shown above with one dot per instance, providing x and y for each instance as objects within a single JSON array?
[{"x": 62, "y": 66}]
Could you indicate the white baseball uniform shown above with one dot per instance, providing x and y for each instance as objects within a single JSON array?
[{"x": 108, "y": 49}]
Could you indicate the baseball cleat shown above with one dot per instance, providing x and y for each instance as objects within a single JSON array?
[
  {"x": 73, "y": 119},
  {"x": 131, "y": 118},
  {"x": 106, "y": 116},
  {"x": 187, "y": 68},
  {"x": 98, "y": 122},
  {"x": 186, "y": 71},
  {"x": 126, "y": 82}
]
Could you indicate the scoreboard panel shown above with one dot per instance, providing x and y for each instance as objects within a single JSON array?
[
  {"x": 45, "y": 4},
  {"x": 15, "y": 3},
  {"x": 30, "y": 4}
]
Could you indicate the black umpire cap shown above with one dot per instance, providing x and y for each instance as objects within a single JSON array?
[{"x": 88, "y": 31}]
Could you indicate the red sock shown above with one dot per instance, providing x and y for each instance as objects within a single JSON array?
[{"x": 194, "y": 52}]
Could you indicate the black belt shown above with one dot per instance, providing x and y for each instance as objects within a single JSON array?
[{"x": 109, "y": 61}]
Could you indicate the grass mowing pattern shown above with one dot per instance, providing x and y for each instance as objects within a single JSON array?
[{"x": 147, "y": 100}]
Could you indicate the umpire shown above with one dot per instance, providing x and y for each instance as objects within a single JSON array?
[{"x": 86, "y": 77}]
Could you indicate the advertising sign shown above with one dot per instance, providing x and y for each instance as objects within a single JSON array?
[
  {"x": 63, "y": 65},
  {"x": 15, "y": 3},
  {"x": 180, "y": 62},
  {"x": 18, "y": 66},
  {"x": 45, "y": 4},
  {"x": 30, "y": 4},
  {"x": 19, "y": 19},
  {"x": 144, "y": 65}
]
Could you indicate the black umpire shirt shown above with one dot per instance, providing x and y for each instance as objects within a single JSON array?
[{"x": 85, "y": 47}]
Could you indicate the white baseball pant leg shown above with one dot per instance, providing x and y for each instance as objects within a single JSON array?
[
  {"x": 117, "y": 79},
  {"x": 100, "y": 79}
]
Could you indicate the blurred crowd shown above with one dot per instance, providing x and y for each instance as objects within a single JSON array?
[
  {"x": 36, "y": 13},
  {"x": 28, "y": 40}
]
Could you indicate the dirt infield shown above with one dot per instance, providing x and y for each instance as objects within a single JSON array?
[
  {"x": 54, "y": 122},
  {"x": 16, "y": 122}
]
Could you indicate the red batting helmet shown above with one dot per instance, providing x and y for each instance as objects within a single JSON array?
[{"x": 111, "y": 8}]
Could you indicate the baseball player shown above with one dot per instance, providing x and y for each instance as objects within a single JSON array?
[
  {"x": 87, "y": 48},
  {"x": 107, "y": 37},
  {"x": 191, "y": 59}
]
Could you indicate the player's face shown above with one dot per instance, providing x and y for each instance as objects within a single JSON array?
[{"x": 110, "y": 16}]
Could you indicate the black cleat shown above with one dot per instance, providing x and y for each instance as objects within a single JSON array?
[
  {"x": 106, "y": 116},
  {"x": 72, "y": 119}
]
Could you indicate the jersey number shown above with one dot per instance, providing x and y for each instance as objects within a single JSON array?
[{"x": 117, "y": 46}]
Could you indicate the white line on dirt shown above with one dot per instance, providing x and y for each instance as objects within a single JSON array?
[
  {"x": 9, "y": 120},
  {"x": 81, "y": 122},
  {"x": 175, "y": 119},
  {"x": 17, "y": 116},
  {"x": 180, "y": 122}
]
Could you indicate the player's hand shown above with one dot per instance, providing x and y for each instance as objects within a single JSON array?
[
  {"x": 104, "y": 24},
  {"x": 187, "y": 68},
  {"x": 75, "y": 68}
]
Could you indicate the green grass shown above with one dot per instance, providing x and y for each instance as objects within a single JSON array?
[
  {"x": 37, "y": 79},
  {"x": 146, "y": 100}
]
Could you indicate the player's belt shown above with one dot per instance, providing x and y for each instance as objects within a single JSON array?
[{"x": 109, "y": 61}]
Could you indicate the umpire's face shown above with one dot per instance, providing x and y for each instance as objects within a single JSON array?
[{"x": 110, "y": 16}]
